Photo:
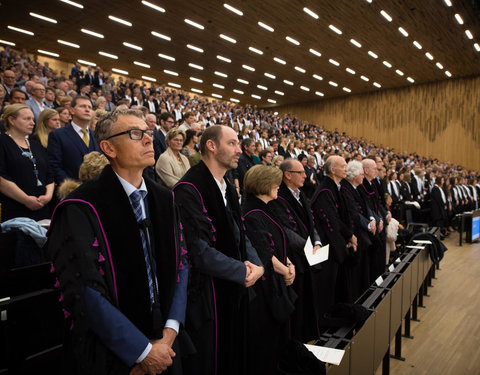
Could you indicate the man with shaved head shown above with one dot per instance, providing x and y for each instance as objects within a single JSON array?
[{"x": 371, "y": 195}]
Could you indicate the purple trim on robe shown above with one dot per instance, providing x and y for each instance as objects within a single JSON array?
[{"x": 301, "y": 222}]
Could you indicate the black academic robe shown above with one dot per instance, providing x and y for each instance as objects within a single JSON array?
[
  {"x": 88, "y": 236},
  {"x": 217, "y": 300},
  {"x": 297, "y": 222},
  {"x": 438, "y": 207},
  {"x": 360, "y": 215},
  {"x": 272, "y": 295}
]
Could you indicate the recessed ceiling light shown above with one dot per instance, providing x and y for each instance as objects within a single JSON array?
[
  {"x": 376, "y": 84},
  {"x": 291, "y": 40},
  {"x": 234, "y": 100},
  {"x": 248, "y": 67},
  {"x": 119, "y": 20},
  {"x": 147, "y": 78},
  {"x": 238, "y": 91},
  {"x": 477, "y": 47},
  {"x": 166, "y": 57},
  {"x": 133, "y": 46},
  {"x": 85, "y": 62},
  {"x": 311, "y": 13},
  {"x": 92, "y": 33},
  {"x": 194, "y": 24},
  {"x": 416, "y": 44},
  {"x": 195, "y": 66},
  {"x": 429, "y": 56},
  {"x": 271, "y": 101},
  {"x": 23, "y": 31},
  {"x": 72, "y": 3},
  {"x": 369, "y": 1},
  {"x": 120, "y": 71},
  {"x": 399, "y": 72},
  {"x": 262, "y": 87},
  {"x": 172, "y": 73},
  {"x": 366, "y": 79},
  {"x": 275, "y": 113},
  {"x": 48, "y": 53},
  {"x": 355, "y": 43},
  {"x": 332, "y": 83},
  {"x": 334, "y": 62},
  {"x": 142, "y": 64},
  {"x": 319, "y": 93},
  {"x": 161, "y": 36},
  {"x": 106, "y": 54},
  {"x": 196, "y": 79},
  {"x": 255, "y": 50},
  {"x": 351, "y": 71},
  {"x": 387, "y": 64},
  {"x": 346, "y": 89},
  {"x": 279, "y": 60},
  {"x": 316, "y": 76},
  {"x": 459, "y": 19},
  {"x": 410, "y": 79},
  {"x": 266, "y": 27},
  {"x": 335, "y": 29},
  {"x": 227, "y": 38},
  {"x": 269, "y": 75},
  {"x": 315, "y": 52},
  {"x": 439, "y": 66},
  {"x": 192, "y": 47},
  {"x": 232, "y": 9},
  {"x": 197, "y": 90},
  {"x": 70, "y": 44},
  {"x": 448, "y": 2},
  {"x": 386, "y": 15},
  {"x": 48, "y": 19},
  {"x": 301, "y": 70},
  {"x": 219, "y": 86},
  {"x": 220, "y": 74},
  {"x": 153, "y": 6},
  {"x": 403, "y": 31},
  {"x": 174, "y": 84},
  {"x": 256, "y": 96},
  {"x": 7, "y": 42},
  {"x": 373, "y": 54},
  {"x": 281, "y": 93},
  {"x": 304, "y": 88},
  {"x": 286, "y": 81},
  {"x": 224, "y": 59},
  {"x": 469, "y": 34},
  {"x": 447, "y": 73},
  {"x": 216, "y": 95},
  {"x": 242, "y": 81}
]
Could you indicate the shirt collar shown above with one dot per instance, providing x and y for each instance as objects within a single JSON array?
[
  {"x": 222, "y": 185},
  {"x": 129, "y": 188}
]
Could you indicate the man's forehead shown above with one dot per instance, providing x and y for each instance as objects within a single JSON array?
[{"x": 128, "y": 122}]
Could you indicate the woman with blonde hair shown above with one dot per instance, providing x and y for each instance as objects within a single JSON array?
[
  {"x": 93, "y": 121},
  {"x": 26, "y": 181},
  {"x": 172, "y": 165},
  {"x": 47, "y": 121}
]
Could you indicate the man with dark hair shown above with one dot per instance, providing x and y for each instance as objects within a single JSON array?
[
  {"x": 292, "y": 210},
  {"x": 246, "y": 160},
  {"x": 116, "y": 245},
  {"x": 49, "y": 100},
  {"x": 68, "y": 145},
  {"x": 17, "y": 96},
  {"x": 223, "y": 261},
  {"x": 166, "y": 123},
  {"x": 189, "y": 120},
  {"x": 266, "y": 157}
]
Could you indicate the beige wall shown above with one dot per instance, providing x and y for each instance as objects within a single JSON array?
[{"x": 439, "y": 119}]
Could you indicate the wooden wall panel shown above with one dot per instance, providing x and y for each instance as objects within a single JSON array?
[{"x": 440, "y": 119}]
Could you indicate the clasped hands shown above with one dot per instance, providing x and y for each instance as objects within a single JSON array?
[{"x": 254, "y": 272}]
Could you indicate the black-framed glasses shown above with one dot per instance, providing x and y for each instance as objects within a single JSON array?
[
  {"x": 301, "y": 172},
  {"x": 135, "y": 134}
]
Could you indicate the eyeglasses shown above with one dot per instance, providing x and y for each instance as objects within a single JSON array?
[
  {"x": 300, "y": 172},
  {"x": 134, "y": 134}
]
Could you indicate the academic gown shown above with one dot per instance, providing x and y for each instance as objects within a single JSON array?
[
  {"x": 268, "y": 330},
  {"x": 297, "y": 222},
  {"x": 89, "y": 236},
  {"x": 360, "y": 215},
  {"x": 438, "y": 211},
  {"x": 217, "y": 300}
]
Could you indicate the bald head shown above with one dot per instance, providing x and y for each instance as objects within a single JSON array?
[
  {"x": 336, "y": 168},
  {"x": 369, "y": 169}
]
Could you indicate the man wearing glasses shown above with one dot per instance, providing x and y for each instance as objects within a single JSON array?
[
  {"x": 118, "y": 251},
  {"x": 36, "y": 103}
]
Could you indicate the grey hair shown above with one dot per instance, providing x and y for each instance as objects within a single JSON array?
[
  {"x": 329, "y": 164},
  {"x": 311, "y": 158},
  {"x": 354, "y": 168},
  {"x": 286, "y": 165},
  {"x": 105, "y": 123}
]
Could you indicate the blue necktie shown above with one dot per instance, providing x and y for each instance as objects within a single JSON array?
[{"x": 136, "y": 198}]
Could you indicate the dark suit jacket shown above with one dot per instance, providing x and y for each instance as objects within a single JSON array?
[
  {"x": 155, "y": 103},
  {"x": 66, "y": 150}
]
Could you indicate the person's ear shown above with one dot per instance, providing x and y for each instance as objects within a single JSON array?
[{"x": 108, "y": 149}]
